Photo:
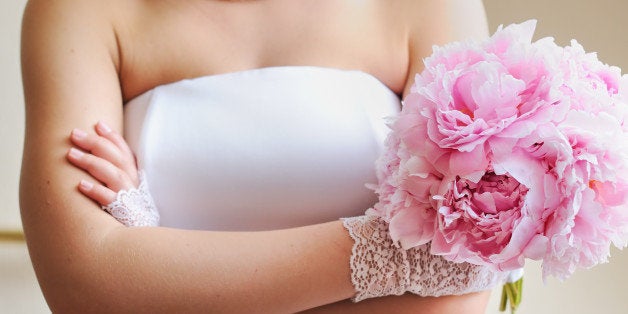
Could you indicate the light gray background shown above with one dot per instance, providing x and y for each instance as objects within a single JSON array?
[{"x": 599, "y": 25}]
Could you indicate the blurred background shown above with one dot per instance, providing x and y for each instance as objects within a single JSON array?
[{"x": 599, "y": 26}]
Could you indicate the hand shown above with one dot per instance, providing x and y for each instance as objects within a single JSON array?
[
  {"x": 109, "y": 160},
  {"x": 380, "y": 268},
  {"x": 121, "y": 189}
]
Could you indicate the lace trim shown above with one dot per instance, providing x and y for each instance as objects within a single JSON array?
[
  {"x": 434, "y": 276},
  {"x": 134, "y": 207},
  {"x": 380, "y": 268},
  {"x": 377, "y": 267}
]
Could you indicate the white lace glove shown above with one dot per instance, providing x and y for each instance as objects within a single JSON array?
[
  {"x": 379, "y": 268},
  {"x": 134, "y": 207}
]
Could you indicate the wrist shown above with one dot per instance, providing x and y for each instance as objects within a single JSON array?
[{"x": 378, "y": 266}]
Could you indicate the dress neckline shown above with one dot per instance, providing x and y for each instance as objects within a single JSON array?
[{"x": 263, "y": 70}]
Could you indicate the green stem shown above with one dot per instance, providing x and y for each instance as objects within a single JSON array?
[
  {"x": 511, "y": 293},
  {"x": 504, "y": 300}
]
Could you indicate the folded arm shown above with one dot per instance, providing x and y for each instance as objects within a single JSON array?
[{"x": 84, "y": 259}]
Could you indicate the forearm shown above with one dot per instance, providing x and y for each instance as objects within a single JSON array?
[
  {"x": 474, "y": 303},
  {"x": 87, "y": 262},
  {"x": 167, "y": 270}
]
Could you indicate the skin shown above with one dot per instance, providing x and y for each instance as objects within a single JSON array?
[{"x": 82, "y": 60}]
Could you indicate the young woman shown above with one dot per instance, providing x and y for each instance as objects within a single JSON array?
[{"x": 245, "y": 116}]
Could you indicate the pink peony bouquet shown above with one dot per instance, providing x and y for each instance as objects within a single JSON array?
[{"x": 508, "y": 149}]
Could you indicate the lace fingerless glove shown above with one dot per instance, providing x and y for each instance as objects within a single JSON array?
[
  {"x": 134, "y": 207},
  {"x": 380, "y": 268}
]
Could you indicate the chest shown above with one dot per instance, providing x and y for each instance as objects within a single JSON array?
[
  {"x": 262, "y": 149},
  {"x": 174, "y": 40}
]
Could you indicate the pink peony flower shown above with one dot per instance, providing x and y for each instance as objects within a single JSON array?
[
  {"x": 476, "y": 221},
  {"x": 508, "y": 149}
]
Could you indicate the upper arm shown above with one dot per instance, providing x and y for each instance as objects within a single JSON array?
[
  {"x": 69, "y": 67},
  {"x": 438, "y": 22}
]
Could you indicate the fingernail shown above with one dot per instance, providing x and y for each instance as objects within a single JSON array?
[
  {"x": 79, "y": 134},
  {"x": 86, "y": 185},
  {"x": 75, "y": 153},
  {"x": 103, "y": 127}
]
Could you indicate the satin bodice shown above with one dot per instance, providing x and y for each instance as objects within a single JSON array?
[{"x": 261, "y": 149}]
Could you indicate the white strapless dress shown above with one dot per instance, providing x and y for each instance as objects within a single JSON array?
[{"x": 261, "y": 149}]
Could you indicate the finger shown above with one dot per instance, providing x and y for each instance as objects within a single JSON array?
[
  {"x": 102, "y": 147},
  {"x": 97, "y": 192},
  {"x": 104, "y": 171},
  {"x": 104, "y": 130},
  {"x": 107, "y": 132},
  {"x": 98, "y": 146}
]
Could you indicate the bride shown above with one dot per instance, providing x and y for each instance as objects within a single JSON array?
[{"x": 256, "y": 124}]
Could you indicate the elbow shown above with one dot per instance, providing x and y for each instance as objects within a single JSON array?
[
  {"x": 81, "y": 282},
  {"x": 71, "y": 279},
  {"x": 69, "y": 291},
  {"x": 72, "y": 272},
  {"x": 67, "y": 296}
]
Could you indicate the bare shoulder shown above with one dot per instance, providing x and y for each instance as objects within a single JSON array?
[
  {"x": 56, "y": 17},
  {"x": 66, "y": 25},
  {"x": 445, "y": 19},
  {"x": 437, "y": 22}
]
